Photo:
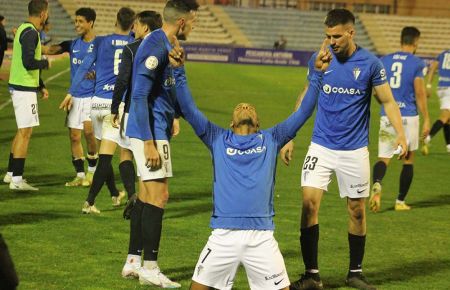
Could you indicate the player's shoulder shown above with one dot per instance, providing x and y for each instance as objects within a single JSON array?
[{"x": 366, "y": 55}]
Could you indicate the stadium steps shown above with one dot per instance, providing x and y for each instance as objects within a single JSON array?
[
  {"x": 238, "y": 36},
  {"x": 16, "y": 12},
  {"x": 385, "y": 31},
  {"x": 208, "y": 28},
  {"x": 304, "y": 30}
]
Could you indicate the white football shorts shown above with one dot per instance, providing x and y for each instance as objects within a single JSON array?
[
  {"x": 387, "y": 136},
  {"x": 114, "y": 134},
  {"x": 444, "y": 97},
  {"x": 147, "y": 173},
  {"x": 256, "y": 250},
  {"x": 352, "y": 168},
  {"x": 100, "y": 108},
  {"x": 79, "y": 113},
  {"x": 25, "y": 108}
]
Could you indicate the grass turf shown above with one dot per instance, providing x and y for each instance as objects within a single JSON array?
[{"x": 56, "y": 247}]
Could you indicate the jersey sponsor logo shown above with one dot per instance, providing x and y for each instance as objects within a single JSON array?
[
  {"x": 278, "y": 282},
  {"x": 77, "y": 61},
  {"x": 359, "y": 191},
  {"x": 383, "y": 74},
  {"x": 75, "y": 51},
  {"x": 151, "y": 62},
  {"x": 359, "y": 185},
  {"x": 170, "y": 81},
  {"x": 91, "y": 47},
  {"x": 108, "y": 87},
  {"x": 401, "y": 105},
  {"x": 328, "y": 71},
  {"x": 267, "y": 278},
  {"x": 340, "y": 90},
  {"x": 356, "y": 72},
  {"x": 256, "y": 150}
]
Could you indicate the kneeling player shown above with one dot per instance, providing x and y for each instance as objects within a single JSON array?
[{"x": 244, "y": 160}]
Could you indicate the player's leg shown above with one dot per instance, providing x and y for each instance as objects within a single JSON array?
[
  {"x": 263, "y": 262},
  {"x": 386, "y": 147},
  {"x": 316, "y": 175},
  {"x": 444, "y": 98},
  {"x": 219, "y": 260},
  {"x": 133, "y": 263},
  {"x": 127, "y": 171},
  {"x": 77, "y": 157},
  {"x": 27, "y": 117},
  {"x": 446, "y": 120},
  {"x": 8, "y": 176},
  {"x": 92, "y": 156},
  {"x": 406, "y": 177},
  {"x": 353, "y": 176}
]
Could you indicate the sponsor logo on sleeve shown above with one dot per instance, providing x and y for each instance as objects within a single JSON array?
[{"x": 151, "y": 62}]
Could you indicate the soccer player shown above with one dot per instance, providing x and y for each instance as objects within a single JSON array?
[
  {"x": 78, "y": 118},
  {"x": 339, "y": 144},
  {"x": 405, "y": 74},
  {"x": 24, "y": 83},
  {"x": 107, "y": 54},
  {"x": 441, "y": 64},
  {"x": 153, "y": 108},
  {"x": 244, "y": 159},
  {"x": 146, "y": 21}
]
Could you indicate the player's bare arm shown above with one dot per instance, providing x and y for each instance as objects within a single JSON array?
[
  {"x": 421, "y": 99},
  {"x": 322, "y": 62},
  {"x": 429, "y": 78},
  {"x": 384, "y": 95}
]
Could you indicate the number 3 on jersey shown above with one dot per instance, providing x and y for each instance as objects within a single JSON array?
[
  {"x": 396, "y": 79},
  {"x": 117, "y": 60}
]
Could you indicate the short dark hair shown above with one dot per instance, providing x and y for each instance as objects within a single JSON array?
[
  {"x": 86, "y": 12},
  {"x": 35, "y": 7},
  {"x": 338, "y": 17},
  {"x": 125, "y": 18},
  {"x": 150, "y": 18},
  {"x": 175, "y": 8},
  {"x": 2, "y": 17},
  {"x": 409, "y": 35}
]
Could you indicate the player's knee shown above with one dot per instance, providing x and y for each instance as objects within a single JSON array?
[
  {"x": 25, "y": 133},
  {"x": 75, "y": 137},
  {"x": 357, "y": 213},
  {"x": 310, "y": 209}
]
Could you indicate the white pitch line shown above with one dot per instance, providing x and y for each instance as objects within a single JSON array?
[{"x": 9, "y": 101}]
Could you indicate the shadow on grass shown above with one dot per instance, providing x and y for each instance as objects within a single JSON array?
[
  {"x": 36, "y": 135},
  {"x": 440, "y": 200},
  {"x": 30, "y": 218},
  {"x": 398, "y": 273},
  {"x": 189, "y": 210},
  {"x": 180, "y": 273}
]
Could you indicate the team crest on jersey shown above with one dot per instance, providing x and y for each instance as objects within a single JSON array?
[
  {"x": 151, "y": 62},
  {"x": 356, "y": 72}
]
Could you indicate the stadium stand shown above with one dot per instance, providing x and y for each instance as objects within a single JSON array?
[
  {"x": 208, "y": 28},
  {"x": 303, "y": 29},
  {"x": 385, "y": 30},
  {"x": 61, "y": 24}
]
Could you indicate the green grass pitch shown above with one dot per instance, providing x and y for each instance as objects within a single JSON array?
[{"x": 54, "y": 246}]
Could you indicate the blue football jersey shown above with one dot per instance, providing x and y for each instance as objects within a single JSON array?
[
  {"x": 78, "y": 50},
  {"x": 343, "y": 110},
  {"x": 444, "y": 68},
  {"x": 244, "y": 165},
  {"x": 402, "y": 69},
  {"x": 106, "y": 54},
  {"x": 153, "y": 103}
]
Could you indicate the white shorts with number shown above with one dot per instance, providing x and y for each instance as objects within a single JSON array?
[
  {"x": 256, "y": 250},
  {"x": 147, "y": 173},
  {"x": 25, "y": 108},
  {"x": 79, "y": 113},
  {"x": 444, "y": 96},
  {"x": 100, "y": 108},
  {"x": 115, "y": 134},
  {"x": 352, "y": 168},
  {"x": 387, "y": 136}
]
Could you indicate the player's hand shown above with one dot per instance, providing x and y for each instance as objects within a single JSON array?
[
  {"x": 176, "y": 55},
  {"x": 153, "y": 160},
  {"x": 324, "y": 56},
  {"x": 90, "y": 75},
  {"x": 44, "y": 94},
  {"x": 401, "y": 142},
  {"x": 286, "y": 152},
  {"x": 66, "y": 104},
  {"x": 175, "y": 127},
  {"x": 45, "y": 49},
  {"x": 115, "y": 122}
]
